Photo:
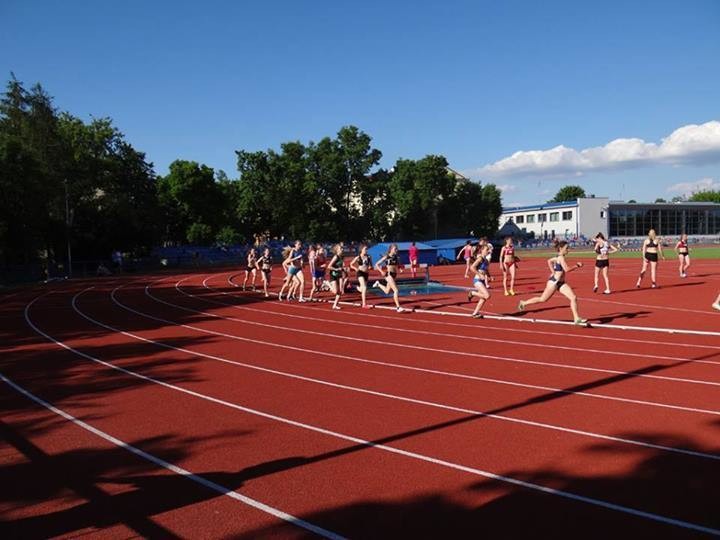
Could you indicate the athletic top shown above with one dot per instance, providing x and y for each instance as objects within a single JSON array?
[
  {"x": 265, "y": 262},
  {"x": 603, "y": 249},
  {"x": 510, "y": 251},
  {"x": 296, "y": 253},
  {"x": 392, "y": 260},
  {"x": 467, "y": 250},
  {"x": 413, "y": 253},
  {"x": 651, "y": 243},
  {"x": 251, "y": 258},
  {"x": 483, "y": 266},
  {"x": 682, "y": 246},
  {"x": 364, "y": 262},
  {"x": 557, "y": 267}
]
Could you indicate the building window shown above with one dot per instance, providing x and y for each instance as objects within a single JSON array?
[
  {"x": 520, "y": 219},
  {"x": 530, "y": 218},
  {"x": 554, "y": 216},
  {"x": 542, "y": 218},
  {"x": 567, "y": 216}
]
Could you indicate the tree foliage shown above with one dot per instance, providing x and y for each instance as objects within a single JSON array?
[
  {"x": 569, "y": 193},
  {"x": 706, "y": 196}
]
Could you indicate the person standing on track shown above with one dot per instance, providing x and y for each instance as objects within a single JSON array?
[
  {"x": 264, "y": 264},
  {"x": 683, "y": 253},
  {"x": 250, "y": 268},
  {"x": 479, "y": 267},
  {"x": 466, "y": 253},
  {"x": 289, "y": 281},
  {"x": 413, "y": 255},
  {"x": 336, "y": 273},
  {"x": 361, "y": 265},
  {"x": 651, "y": 248},
  {"x": 508, "y": 260},
  {"x": 603, "y": 248},
  {"x": 487, "y": 243},
  {"x": 392, "y": 266},
  {"x": 559, "y": 268}
]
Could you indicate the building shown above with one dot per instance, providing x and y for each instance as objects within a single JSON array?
[
  {"x": 581, "y": 217},
  {"x": 668, "y": 219},
  {"x": 588, "y": 216}
]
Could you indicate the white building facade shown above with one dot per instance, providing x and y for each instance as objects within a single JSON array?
[{"x": 582, "y": 217}]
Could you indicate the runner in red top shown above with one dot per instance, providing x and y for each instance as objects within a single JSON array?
[
  {"x": 508, "y": 261},
  {"x": 466, "y": 253},
  {"x": 413, "y": 255}
]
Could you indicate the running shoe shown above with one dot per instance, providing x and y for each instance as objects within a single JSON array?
[
  {"x": 606, "y": 291},
  {"x": 654, "y": 285},
  {"x": 302, "y": 300},
  {"x": 477, "y": 316},
  {"x": 521, "y": 306},
  {"x": 469, "y": 295},
  {"x": 581, "y": 321},
  {"x": 716, "y": 305},
  {"x": 512, "y": 292},
  {"x": 336, "y": 307},
  {"x": 399, "y": 309},
  {"x": 595, "y": 288},
  {"x": 507, "y": 293}
]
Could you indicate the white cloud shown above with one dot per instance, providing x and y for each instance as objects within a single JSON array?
[
  {"x": 688, "y": 188},
  {"x": 691, "y": 144},
  {"x": 506, "y": 188}
]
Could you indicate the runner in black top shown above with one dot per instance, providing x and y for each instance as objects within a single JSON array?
[
  {"x": 392, "y": 264},
  {"x": 264, "y": 264},
  {"x": 651, "y": 248},
  {"x": 683, "y": 251},
  {"x": 336, "y": 273},
  {"x": 250, "y": 268},
  {"x": 361, "y": 265}
]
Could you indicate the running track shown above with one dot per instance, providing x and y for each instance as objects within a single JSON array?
[{"x": 177, "y": 405}]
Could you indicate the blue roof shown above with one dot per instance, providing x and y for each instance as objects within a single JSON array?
[
  {"x": 564, "y": 204},
  {"x": 404, "y": 246},
  {"x": 450, "y": 242}
]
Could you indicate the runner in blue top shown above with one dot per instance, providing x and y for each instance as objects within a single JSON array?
[
  {"x": 559, "y": 268},
  {"x": 480, "y": 268}
]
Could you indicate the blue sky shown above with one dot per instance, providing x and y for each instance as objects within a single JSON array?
[{"x": 475, "y": 81}]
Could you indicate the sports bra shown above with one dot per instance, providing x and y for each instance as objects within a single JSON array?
[
  {"x": 392, "y": 260},
  {"x": 364, "y": 262},
  {"x": 510, "y": 250},
  {"x": 682, "y": 244},
  {"x": 557, "y": 267},
  {"x": 651, "y": 243}
]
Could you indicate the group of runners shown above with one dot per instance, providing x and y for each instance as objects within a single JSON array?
[{"x": 330, "y": 272}]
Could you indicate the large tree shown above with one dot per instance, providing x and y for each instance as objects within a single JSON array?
[
  {"x": 569, "y": 193},
  {"x": 706, "y": 196}
]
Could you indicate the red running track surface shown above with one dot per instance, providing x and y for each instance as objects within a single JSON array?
[{"x": 182, "y": 406}]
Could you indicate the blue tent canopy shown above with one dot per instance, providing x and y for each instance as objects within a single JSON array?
[
  {"x": 427, "y": 254},
  {"x": 449, "y": 248}
]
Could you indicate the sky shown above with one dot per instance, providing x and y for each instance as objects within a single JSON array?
[{"x": 622, "y": 98}]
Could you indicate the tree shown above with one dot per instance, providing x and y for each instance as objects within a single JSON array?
[
  {"x": 706, "y": 196},
  {"x": 660, "y": 200},
  {"x": 569, "y": 193}
]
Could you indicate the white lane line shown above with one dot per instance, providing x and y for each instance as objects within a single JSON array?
[
  {"x": 409, "y": 368},
  {"x": 476, "y": 327},
  {"x": 390, "y": 449},
  {"x": 431, "y": 349},
  {"x": 395, "y": 397},
  {"x": 165, "y": 464},
  {"x": 430, "y": 333}
]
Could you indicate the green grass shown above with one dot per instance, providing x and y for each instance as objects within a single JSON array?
[{"x": 695, "y": 253}]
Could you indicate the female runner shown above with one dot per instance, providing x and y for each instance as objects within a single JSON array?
[
  {"x": 466, "y": 253},
  {"x": 264, "y": 264},
  {"x": 289, "y": 280},
  {"x": 559, "y": 268},
  {"x": 486, "y": 242},
  {"x": 683, "y": 253},
  {"x": 336, "y": 273},
  {"x": 362, "y": 264},
  {"x": 295, "y": 269},
  {"x": 413, "y": 256},
  {"x": 650, "y": 250},
  {"x": 509, "y": 265},
  {"x": 392, "y": 265},
  {"x": 603, "y": 248},
  {"x": 479, "y": 267},
  {"x": 250, "y": 268}
]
